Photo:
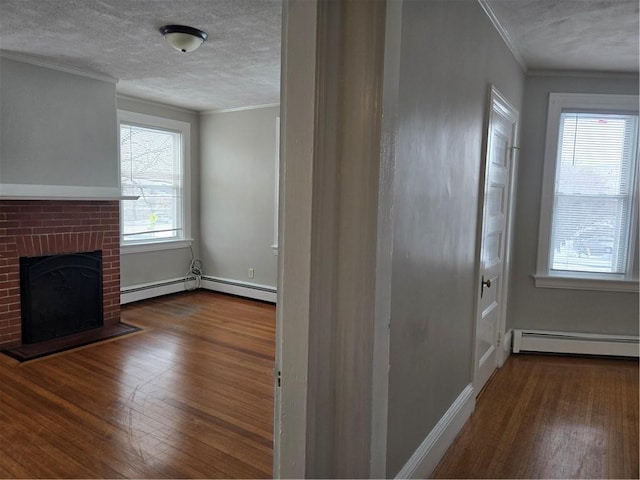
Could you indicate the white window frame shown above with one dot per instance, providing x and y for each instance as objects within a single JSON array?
[
  {"x": 545, "y": 277},
  {"x": 184, "y": 128}
]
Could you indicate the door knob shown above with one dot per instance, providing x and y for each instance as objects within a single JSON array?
[{"x": 486, "y": 282}]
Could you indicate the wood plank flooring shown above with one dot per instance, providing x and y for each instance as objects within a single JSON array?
[
  {"x": 192, "y": 397},
  {"x": 189, "y": 397},
  {"x": 551, "y": 417}
]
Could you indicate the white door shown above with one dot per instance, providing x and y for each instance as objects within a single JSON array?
[{"x": 492, "y": 291}]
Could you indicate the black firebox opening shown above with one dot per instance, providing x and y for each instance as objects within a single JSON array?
[{"x": 60, "y": 295}]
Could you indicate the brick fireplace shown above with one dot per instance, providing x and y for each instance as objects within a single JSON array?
[{"x": 33, "y": 228}]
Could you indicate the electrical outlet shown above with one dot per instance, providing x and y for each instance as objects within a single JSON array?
[{"x": 250, "y": 273}]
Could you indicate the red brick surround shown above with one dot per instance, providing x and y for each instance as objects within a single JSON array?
[{"x": 48, "y": 227}]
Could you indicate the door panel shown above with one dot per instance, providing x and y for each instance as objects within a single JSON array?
[{"x": 502, "y": 132}]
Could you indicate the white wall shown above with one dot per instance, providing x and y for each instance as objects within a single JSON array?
[
  {"x": 56, "y": 128},
  {"x": 450, "y": 54},
  {"x": 237, "y": 175},
  {"x": 150, "y": 267},
  {"x": 547, "y": 308}
]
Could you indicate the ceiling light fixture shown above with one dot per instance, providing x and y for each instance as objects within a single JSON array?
[{"x": 182, "y": 38}]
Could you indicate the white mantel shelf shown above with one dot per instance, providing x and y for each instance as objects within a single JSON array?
[{"x": 11, "y": 191}]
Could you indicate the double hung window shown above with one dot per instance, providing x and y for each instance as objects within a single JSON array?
[
  {"x": 588, "y": 215},
  {"x": 153, "y": 160}
]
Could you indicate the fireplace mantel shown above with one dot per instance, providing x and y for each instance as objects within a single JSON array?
[{"x": 12, "y": 191}]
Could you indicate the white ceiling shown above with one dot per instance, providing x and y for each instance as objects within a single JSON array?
[
  {"x": 239, "y": 65},
  {"x": 587, "y": 35}
]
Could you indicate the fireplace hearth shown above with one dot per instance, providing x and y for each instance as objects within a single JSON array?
[{"x": 60, "y": 295}]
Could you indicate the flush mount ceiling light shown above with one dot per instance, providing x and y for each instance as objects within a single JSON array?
[{"x": 182, "y": 38}]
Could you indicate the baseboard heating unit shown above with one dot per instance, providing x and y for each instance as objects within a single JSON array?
[{"x": 577, "y": 343}]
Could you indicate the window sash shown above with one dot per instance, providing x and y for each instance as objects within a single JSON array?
[
  {"x": 591, "y": 218},
  {"x": 160, "y": 190}
]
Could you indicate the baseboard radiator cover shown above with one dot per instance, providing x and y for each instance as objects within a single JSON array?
[
  {"x": 145, "y": 291},
  {"x": 575, "y": 343},
  {"x": 427, "y": 456},
  {"x": 242, "y": 289}
]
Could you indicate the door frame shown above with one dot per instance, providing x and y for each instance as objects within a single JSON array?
[{"x": 497, "y": 104}]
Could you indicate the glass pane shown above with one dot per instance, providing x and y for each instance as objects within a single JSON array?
[
  {"x": 589, "y": 234},
  {"x": 150, "y": 168},
  {"x": 592, "y": 206}
]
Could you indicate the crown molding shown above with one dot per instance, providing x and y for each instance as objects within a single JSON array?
[
  {"x": 504, "y": 33},
  {"x": 239, "y": 109},
  {"x": 18, "y": 57},
  {"x": 582, "y": 74},
  {"x": 154, "y": 103}
]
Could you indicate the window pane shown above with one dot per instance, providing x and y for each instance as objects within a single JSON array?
[
  {"x": 151, "y": 169},
  {"x": 592, "y": 204}
]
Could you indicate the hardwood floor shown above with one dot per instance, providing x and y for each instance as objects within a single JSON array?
[
  {"x": 192, "y": 397},
  {"x": 189, "y": 397},
  {"x": 551, "y": 417}
]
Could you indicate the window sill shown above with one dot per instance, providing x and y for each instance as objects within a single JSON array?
[
  {"x": 154, "y": 246},
  {"x": 575, "y": 281}
]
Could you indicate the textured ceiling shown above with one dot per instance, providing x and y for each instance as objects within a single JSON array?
[
  {"x": 600, "y": 35},
  {"x": 239, "y": 65}
]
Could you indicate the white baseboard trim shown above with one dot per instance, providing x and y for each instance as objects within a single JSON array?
[
  {"x": 426, "y": 458},
  {"x": 575, "y": 343},
  {"x": 242, "y": 289},
  {"x": 144, "y": 291},
  {"x": 505, "y": 351}
]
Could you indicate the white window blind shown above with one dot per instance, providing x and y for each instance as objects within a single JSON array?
[
  {"x": 151, "y": 167},
  {"x": 594, "y": 189}
]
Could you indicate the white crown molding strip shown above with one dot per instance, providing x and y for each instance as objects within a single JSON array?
[
  {"x": 583, "y": 74},
  {"x": 153, "y": 103},
  {"x": 12, "y": 191},
  {"x": 503, "y": 33},
  {"x": 239, "y": 109},
  {"x": 575, "y": 343},
  {"x": 54, "y": 66},
  {"x": 242, "y": 289},
  {"x": 430, "y": 452}
]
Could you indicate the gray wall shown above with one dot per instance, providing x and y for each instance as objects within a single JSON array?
[
  {"x": 149, "y": 267},
  {"x": 450, "y": 54},
  {"x": 56, "y": 128},
  {"x": 546, "y": 308},
  {"x": 237, "y": 194}
]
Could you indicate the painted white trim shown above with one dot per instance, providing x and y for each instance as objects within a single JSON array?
[
  {"x": 426, "y": 458},
  {"x": 17, "y": 191},
  {"x": 276, "y": 196},
  {"x": 582, "y": 74},
  {"x": 256, "y": 291},
  {"x": 184, "y": 128},
  {"x": 155, "y": 246},
  {"x": 54, "y": 66},
  {"x": 144, "y": 291},
  {"x": 153, "y": 103},
  {"x": 382, "y": 313},
  {"x": 504, "y": 33},
  {"x": 575, "y": 343},
  {"x": 505, "y": 351},
  {"x": 238, "y": 109},
  {"x": 601, "y": 284},
  {"x": 610, "y": 103}
]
